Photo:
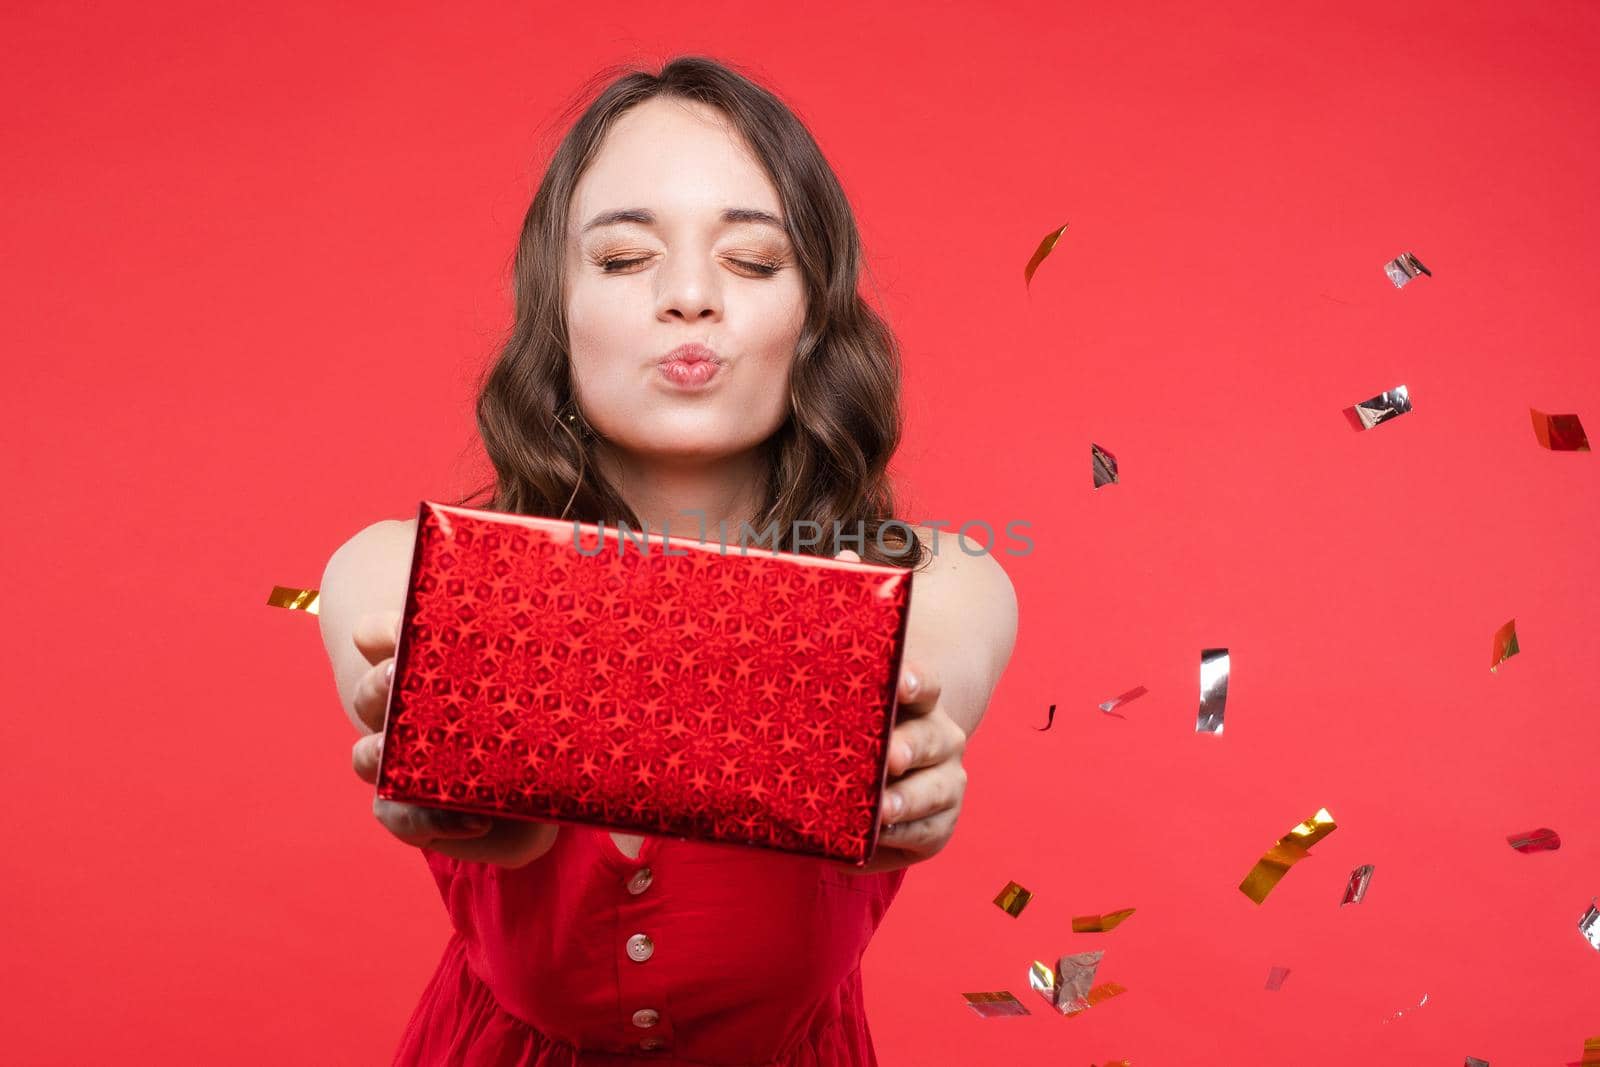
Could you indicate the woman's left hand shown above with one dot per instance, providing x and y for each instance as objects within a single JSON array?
[{"x": 926, "y": 778}]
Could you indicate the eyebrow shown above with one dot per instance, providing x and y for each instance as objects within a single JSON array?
[{"x": 646, "y": 217}]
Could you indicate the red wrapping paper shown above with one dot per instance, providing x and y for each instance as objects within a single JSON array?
[{"x": 552, "y": 670}]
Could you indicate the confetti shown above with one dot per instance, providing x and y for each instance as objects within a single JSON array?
[
  {"x": 1275, "y": 978},
  {"x": 1591, "y": 1052},
  {"x": 1132, "y": 694},
  {"x": 1473, "y": 1061},
  {"x": 1387, "y": 405},
  {"x": 283, "y": 596},
  {"x": 995, "y": 1005},
  {"x": 1067, "y": 987},
  {"x": 1402, "y": 1011},
  {"x": 1291, "y": 849},
  {"x": 1505, "y": 645},
  {"x": 1559, "y": 433},
  {"x": 1356, "y": 891},
  {"x": 1214, "y": 667},
  {"x": 1543, "y": 839},
  {"x": 1589, "y": 925},
  {"x": 1044, "y": 249},
  {"x": 1117, "y": 1063},
  {"x": 1012, "y": 899},
  {"x": 1403, "y": 268},
  {"x": 1099, "y": 924},
  {"x": 1049, "y": 722},
  {"x": 1104, "y": 464}
]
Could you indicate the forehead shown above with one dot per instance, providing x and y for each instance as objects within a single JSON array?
[{"x": 680, "y": 159}]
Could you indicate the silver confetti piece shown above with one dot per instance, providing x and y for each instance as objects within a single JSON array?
[
  {"x": 1105, "y": 465},
  {"x": 1381, "y": 408},
  {"x": 1132, "y": 694},
  {"x": 1402, "y": 268},
  {"x": 1067, "y": 989},
  {"x": 1473, "y": 1061},
  {"x": 1275, "y": 978},
  {"x": 1356, "y": 891},
  {"x": 1213, "y": 691},
  {"x": 1589, "y": 925}
]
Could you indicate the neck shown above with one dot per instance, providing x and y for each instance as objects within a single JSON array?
[{"x": 688, "y": 497}]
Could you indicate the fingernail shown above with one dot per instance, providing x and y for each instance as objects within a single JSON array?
[
  {"x": 895, "y": 803},
  {"x": 903, "y": 750},
  {"x": 388, "y": 675},
  {"x": 913, "y": 683}
]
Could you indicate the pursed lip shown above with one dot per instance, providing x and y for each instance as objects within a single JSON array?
[{"x": 690, "y": 353}]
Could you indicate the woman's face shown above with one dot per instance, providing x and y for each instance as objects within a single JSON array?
[{"x": 681, "y": 273}]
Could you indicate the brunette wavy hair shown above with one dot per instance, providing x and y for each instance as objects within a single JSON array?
[{"x": 827, "y": 464}]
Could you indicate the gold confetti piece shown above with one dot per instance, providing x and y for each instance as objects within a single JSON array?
[
  {"x": 1044, "y": 249},
  {"x": 1051, "y": 721},
  {"x": 1589, "y": 925},
  {"x": 1291, "y": 849},
  {"x": 1098, "y": 995},
  {"x": 1214, "y": 667},
  {"x": 1356, "y": 891},
  {"x": 1104, "y": 464},
  {"x": 1505, "y": 645},
  {"x": 1132, "y": 694},
  {"x": 1543, "y": 839},
  {"x": 995, "y": 1005},
  {"x": 1559, "y": 433},
  {"x": 283, "y": 596},
  {"x": 1012, "y": 899},
  {"x": 1591, "y": 1052},
  {"x": 1403, "y": 268},
  {"x": 1385, "y": 406},
  {"x": 1099, "y": 924},
  {"x": 1117, "y": 1063},
  {"x": 1275, "y": 978},
  {"x": 1473, "y": 1061}
]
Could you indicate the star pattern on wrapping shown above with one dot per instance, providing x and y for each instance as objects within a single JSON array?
[{"x": 720, "y": 696}]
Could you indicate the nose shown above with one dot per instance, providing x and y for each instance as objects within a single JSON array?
[{"x": 688, "y": 289}]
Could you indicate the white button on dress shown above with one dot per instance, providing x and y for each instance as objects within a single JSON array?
[
  {"x": 640, "y": 881},
  {"x": 640, "y": 948},
  {"x": 646, "y": 1017}
]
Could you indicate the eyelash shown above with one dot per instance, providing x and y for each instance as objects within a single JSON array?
[{"x": 765, "y": 270}]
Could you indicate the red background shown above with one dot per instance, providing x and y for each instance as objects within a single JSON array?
[{"x": 256, "y": 258}]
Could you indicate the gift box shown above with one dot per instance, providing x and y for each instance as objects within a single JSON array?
[{"x": 645, "y": 683}]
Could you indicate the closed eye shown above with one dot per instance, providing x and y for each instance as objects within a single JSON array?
[{"x": 765, "y": 270}]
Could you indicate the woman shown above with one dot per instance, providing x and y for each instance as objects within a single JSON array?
[{"x": 688, "y": 344}]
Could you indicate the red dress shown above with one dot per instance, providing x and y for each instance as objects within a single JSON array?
[{"x": 692, "y": 954}]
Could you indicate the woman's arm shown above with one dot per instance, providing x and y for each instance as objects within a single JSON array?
[
  {"x": 959, "y": 639},
  {"x": 963, "y": 625},
  {"x": 365, "y": 576}
]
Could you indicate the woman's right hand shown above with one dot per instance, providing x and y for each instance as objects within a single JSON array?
[{"x": 507, "y": 842}]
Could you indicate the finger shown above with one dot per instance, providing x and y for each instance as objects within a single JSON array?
[
  {"x": 919, "y": 686},
  {"x": 922, "y": 742},
  {"x": 371, "y": 699},
  {"x": 509, "y": 843},
  {"x": 418, "y": 825},
  {"x": 925, "y": 793},
  {"x": 376, "y": 633},
  {"x": 365, "y": 755},
  {"x": 925, "y": 837}
]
